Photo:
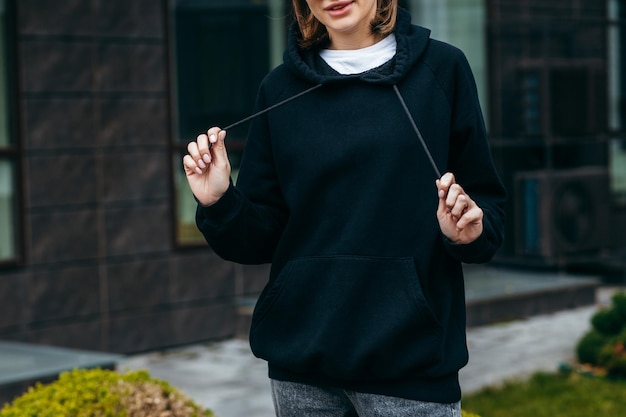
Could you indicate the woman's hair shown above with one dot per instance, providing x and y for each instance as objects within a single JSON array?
[{"x": 313, "y": 33}]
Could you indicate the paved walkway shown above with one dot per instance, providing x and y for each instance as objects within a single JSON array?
[{"x": 228, "y": 379}]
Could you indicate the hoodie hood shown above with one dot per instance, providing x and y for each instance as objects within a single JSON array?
[{"x": 412, "y": 42}]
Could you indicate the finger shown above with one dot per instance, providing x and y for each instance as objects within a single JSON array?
[
  {"x": 190, "y": 165},
  {"x": 461, "y": 204},
  {"x": 192, "y": 149},
  {"x": 442, "y": 209},
  {"x": 219, "y": 147},
  {"x": 203, "y": 157},
  {"x": 203, "y": 144},
  {"x": 214, "y": 130},
  {"x": 447, "y": 180},
  {"x": 473, "y": 215},
  {"x": 441, "y": 193},
  {"x": 454, "y": 192},
  {"x": 212, "y": 134},
  {"x": 444, "y": 183}
]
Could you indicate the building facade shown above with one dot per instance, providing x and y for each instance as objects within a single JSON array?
[
  {"x": 557, "y": 118},
  {"x": 98, "y": 247},
  {"x": 90, "y": 252}
]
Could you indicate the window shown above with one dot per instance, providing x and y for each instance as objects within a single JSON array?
[
  {"x": 222, "y": 51},
  {"x": 8, "y": 150},
  {"x": 617, "y": 99},
  {"x": 461, "y": 24},
  {"x": 617, "y": 166}
]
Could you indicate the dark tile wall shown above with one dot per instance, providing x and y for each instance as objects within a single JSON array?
[
  {"x": 62, "y": 234},
  {"x": 128, "y": 121},
  {"x": 77, "y": 334},
  {"x": 74, "y": 122},
  {"x": 12, "y": 295},
  {"x": 101, "y": 269},
  {"x": 66, "y": 293},
  {"x": 138, "y": 284}
]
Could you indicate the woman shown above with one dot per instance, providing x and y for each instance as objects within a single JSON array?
[{"x": 339, "y": 188}]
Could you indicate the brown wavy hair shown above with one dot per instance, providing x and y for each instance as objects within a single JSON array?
[{"x": 313, "y": 33}]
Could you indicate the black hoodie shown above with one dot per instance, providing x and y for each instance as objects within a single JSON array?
[{"x": 336, "y": 191}]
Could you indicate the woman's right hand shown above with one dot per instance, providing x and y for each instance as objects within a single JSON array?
[{"x": 207, "y": 167}]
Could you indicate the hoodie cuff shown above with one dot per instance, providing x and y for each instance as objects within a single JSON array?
[
  {"x": 223, "y": 210},
  {"x": 478, "y": 251}
]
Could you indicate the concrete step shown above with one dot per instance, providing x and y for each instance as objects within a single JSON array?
[
  {"x": 24, "y": 364},
  {"x": 498, "y": 294}
]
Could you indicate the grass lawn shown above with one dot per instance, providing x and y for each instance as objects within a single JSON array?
[{"x": 551, "y": 395}]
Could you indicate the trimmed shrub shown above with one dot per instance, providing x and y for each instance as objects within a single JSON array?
[
  {"x": 589, "y": 347},
  {"x": 619, "y": 304},
  {"x": 613, "y": 356},
  {"x": 605, "y": 344},
  {"x": 612, "y": 321},
  {"x": 609, "y": 322},
  {"x": 102, "y": 393}
]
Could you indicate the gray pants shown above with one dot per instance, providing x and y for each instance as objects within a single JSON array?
[{"x": 299, "y": 400}]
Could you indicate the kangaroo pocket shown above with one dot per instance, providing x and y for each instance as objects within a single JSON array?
[{"x": 349, "y": 318}]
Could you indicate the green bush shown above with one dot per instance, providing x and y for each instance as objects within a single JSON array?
[
  {"x": 619, "y": 304},
  {"x": 609, "y": 322},
  {"x": 102, "y": 393},
  {"x": 613, "y": 356},
  {"x": 605, "y": 344},
  {"x": 589, "y": 347}
]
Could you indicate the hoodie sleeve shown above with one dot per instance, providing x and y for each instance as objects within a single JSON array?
[
  {"x": 471, "y": 162},
  {"x": 244, "y": 226}
]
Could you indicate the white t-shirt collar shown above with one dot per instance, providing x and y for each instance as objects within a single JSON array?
[{"x": 357, "y": 61}]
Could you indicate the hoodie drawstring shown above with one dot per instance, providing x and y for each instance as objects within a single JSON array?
[
  {"x": 280, "y": 103},
  {"x": 395, "y": 87},
  {"x": 417, "y": 131}
]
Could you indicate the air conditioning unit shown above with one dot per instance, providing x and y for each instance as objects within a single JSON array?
[{"x": 560, "y": 213}]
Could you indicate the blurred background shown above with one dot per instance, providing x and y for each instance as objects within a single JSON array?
[{"x": 98, "y": 99}]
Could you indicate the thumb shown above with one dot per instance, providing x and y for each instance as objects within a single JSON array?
[
  {"x": 442, "y": 209},
  {"x": 218, "y": 147}
]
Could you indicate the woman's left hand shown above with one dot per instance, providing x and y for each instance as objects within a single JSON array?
[{"x": 460, "y": 218}]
